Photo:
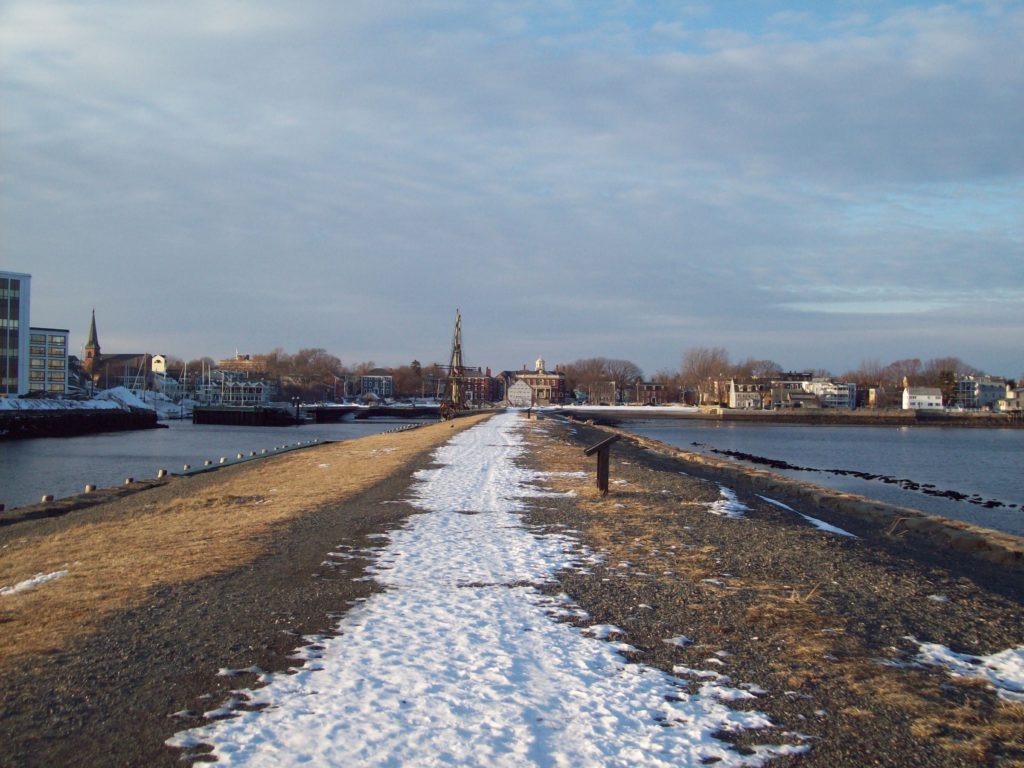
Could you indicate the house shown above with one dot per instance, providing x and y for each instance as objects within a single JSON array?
[
  {"x": 832, "y": 394},
  {"x": 546, "y": 387},
  {"x": 649, "y": 392},
  {"x": 922, "y": 399},
  {"x": 748, "y": 395},
  {"x": 132, "y": 370},
  {"x": 980, "y": 391},
  {"x": 378, "y": 382}
]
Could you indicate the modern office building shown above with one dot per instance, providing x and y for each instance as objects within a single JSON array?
[
  {"x": 14, "y": 332},
  {"x": 48, "y": 360}
]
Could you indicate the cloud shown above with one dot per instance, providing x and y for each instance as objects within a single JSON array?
[{"x": 602, "y": 182}]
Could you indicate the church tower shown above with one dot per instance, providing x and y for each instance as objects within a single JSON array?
[{"x": 92, "y": 349}]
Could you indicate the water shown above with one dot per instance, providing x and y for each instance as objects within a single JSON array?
[
  {"x": 988, "y": 463},
  {"x": 63, "y": 466}
]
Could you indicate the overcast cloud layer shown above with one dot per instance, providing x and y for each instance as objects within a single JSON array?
[{"x": 812, "y": 186}]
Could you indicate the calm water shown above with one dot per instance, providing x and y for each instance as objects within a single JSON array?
[
  {"x": 985, "y": 462},
  {"x": 62, "y": 466}
]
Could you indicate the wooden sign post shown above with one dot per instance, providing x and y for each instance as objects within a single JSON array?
[{"x": 602, "y": 450}]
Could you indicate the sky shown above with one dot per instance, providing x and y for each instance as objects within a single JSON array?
[{"x": 816, "y": 184}]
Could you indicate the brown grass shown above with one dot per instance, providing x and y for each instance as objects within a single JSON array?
[{"x": 114, "y": 563}]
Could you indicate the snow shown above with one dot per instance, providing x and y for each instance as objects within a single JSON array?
[
  {"x": 821, "y": 525},
  {"x": 35, "y": 581},
  {"x": 728, "y": 505},
  {"x": 1004, "y": 671},
  {"x": 34, "y": 404},
  {"x": 648, "y": 409},
  {"x": 459, "y": 661}
]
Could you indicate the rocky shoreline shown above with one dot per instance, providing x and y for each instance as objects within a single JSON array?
[{"x": 815, "y": 625}]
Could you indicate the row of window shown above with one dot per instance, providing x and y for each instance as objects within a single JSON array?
[
  {"x": 54, "y": 351},
  {"x": 42, "y": 338},
  {"x": 38, "y": 362},
  {"x": 9, "y": 323},
  {"x": 42, "y": 376}
]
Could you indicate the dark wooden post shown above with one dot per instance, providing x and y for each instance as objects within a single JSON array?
[{"x": 602, "y": 449}]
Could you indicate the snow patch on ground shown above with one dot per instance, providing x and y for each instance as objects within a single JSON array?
[
  {"x": 35, "y": 581},
  {"x": 728, "y": 505},
  {"x": 821, "y": 525},
  {"x": 1004, "y": 671},
  {"x": 458, "y": 661}
]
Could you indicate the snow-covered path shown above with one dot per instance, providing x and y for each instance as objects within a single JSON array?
[{"x": 460, "y": 661}]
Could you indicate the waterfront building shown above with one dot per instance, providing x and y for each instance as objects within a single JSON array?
[
  {"x": 832, "y": 394},
  {"x": 15, "y": 292},
  {"x": 546, "y": 387},
  {"x": 649, "y": 392},
  {"x": 980, "y": 391},
  {"x": 48, "y": 361},
  {"x": 378, "y": 382},
  {"x": 132, "y": 370},
  {"x": 922, "y": 399},
  {"x": 749, "y": 395}
]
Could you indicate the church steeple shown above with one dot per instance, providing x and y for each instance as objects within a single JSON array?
[{"x": 92, "y": 347}]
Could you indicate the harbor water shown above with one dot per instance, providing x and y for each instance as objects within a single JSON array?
[
  {"x": 985, "y": 466},
  {"x": 62, "y": 466}
]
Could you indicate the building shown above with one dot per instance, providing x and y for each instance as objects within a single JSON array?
[
  {"x": 546, "y": 387},
  {"x": 133, "y": 370},
  {"x": 922, "y": 399},
  {"x": 15, "y": 292},
  {"x": 378, "y": 382},
  {"x": 832, "y": 394},
  {"x": 980, "y": 391},
  {"x": 649, "y": 392},
  {"x": 48, "y": 361},
  {"x": 519, "y": 395},
  {"x": 749, "y": 395}
]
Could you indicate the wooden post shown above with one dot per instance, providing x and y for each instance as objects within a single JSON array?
[{"x": 602, "y": 449}]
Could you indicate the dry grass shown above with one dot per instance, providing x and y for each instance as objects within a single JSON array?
[{"x": 114, "y": 563}]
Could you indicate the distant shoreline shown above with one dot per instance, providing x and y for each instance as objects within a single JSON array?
[{"x": 824, "y": 417}]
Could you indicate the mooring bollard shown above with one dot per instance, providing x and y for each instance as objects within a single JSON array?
[
  {"x": 208, "y": 462},
  {"x": 161, "y": 473},
  {"x": 186, "y": 467},
  {"x": 602, "y": 450},
  {"x": 238, "y": 456},
  {"x": 129, "y": 480},
  {"x": 89, "y": 487},
  {"x": 223, "y": 459},
  {"x": 46, "y": 498}
]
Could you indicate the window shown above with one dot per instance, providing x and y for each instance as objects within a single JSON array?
[
  {"x": 37, "y": 350},
  {"x": 55, "y": 363},
  {"x": 37, "y": 338},
  {"x": 36, "y": 376},
  {"x": 57, "y": 351},
  {"x": 36, "y": 362},
  {"x": 58, "y": 340},
  {"x": 55, "y": 376}
]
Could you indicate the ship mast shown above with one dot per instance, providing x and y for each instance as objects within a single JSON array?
[{"x": 456, "y": 395}]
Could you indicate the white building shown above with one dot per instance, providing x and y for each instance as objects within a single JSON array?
[
  {"x": 15, "y": 292},
  {"x": 833, "y": 394},
  {"x": 980, "y": 391},
  {"x": 377, "y": 382},
  {"x": 520, "y": 395},
  {"x": 48, "y": 360},
  {"x": 922, "y": 399}
]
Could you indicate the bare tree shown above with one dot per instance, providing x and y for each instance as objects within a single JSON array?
[{"x": 702, "y": 368}]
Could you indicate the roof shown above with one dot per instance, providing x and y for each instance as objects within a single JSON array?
[
  {"x": 92, "y": 341},
  {"x": 925, "y": 391}
]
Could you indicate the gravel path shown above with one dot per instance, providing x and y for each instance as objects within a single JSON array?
[{"x": 802, "y": 617}]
